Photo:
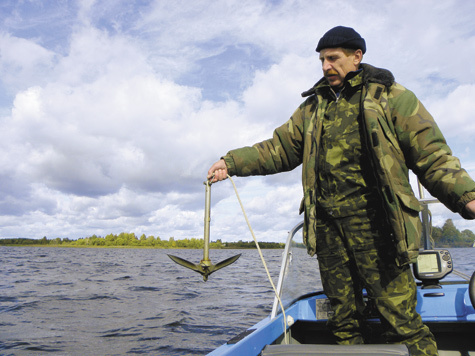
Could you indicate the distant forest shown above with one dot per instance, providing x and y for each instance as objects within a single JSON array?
[
  {"x": 125, "y": 239},
  {"x": 450, "y": 236},
  {"x": 447, "y": 236}
]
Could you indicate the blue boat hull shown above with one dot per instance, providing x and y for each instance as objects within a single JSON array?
[{"x": 447, "y": 311}]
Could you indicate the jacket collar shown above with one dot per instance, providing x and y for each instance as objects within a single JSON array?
[{"x": 370, "y": 75}]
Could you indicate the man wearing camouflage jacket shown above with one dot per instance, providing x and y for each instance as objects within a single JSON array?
[{"x": 357, "y": 135}]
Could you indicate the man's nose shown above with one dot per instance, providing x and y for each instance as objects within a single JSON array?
[{"x": 325, "y": 66}]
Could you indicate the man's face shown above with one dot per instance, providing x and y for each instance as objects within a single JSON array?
[{"x": 336, "y": 64}]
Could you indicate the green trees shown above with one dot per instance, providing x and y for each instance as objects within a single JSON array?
[
  {"x": 151, "y": 241},
  {"x": 446, "y": 236},
  {"x": 130, "y": 240},
  {"x": 450, "y": 236}
]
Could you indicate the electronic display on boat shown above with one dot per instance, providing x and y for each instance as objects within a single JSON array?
[
  {"x": 433, "y": 264},
  {"x": 428, "y": 263}
]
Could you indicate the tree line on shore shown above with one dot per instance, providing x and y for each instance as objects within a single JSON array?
[
  {"x": 447, "y": 236},
  {"x": 131, "y": 240}
]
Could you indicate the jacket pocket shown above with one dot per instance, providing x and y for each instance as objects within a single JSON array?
[
  {"x": 410, "y": 209},
  {"x": 409, "y": 201}
]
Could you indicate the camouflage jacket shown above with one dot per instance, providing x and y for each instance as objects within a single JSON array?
[{"x": 401, "y": 135}]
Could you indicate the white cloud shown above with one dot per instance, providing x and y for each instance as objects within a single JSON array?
[
  {"x": 23, "y": 63},
  {"x": 112, "y": 113},
  {"x": 275, "y": 92},
  {"x": 454, "y": 113}
]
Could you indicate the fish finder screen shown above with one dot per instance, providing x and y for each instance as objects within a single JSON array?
[{"x": 428, "y": 263}]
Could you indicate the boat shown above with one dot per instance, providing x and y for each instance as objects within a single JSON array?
[{"x": 297, "y": 323}]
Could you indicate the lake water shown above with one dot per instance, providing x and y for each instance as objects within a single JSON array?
[{"x": 72, "y": 301}]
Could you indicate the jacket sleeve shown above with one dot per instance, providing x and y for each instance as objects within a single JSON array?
[
  {"x": 281, "y": 153},
  {"x": 427, "y": 153}
]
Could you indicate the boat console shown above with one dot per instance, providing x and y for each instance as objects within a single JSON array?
[{"x": 432, "y": 266}]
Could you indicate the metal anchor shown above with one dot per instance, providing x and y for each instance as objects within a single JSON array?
[{"x": 205, "y": 267}]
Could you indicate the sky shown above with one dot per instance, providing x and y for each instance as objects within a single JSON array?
[{"x": 112, "y": 111}]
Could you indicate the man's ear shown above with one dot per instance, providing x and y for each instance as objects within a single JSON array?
[{"x": 358, "y": 57}]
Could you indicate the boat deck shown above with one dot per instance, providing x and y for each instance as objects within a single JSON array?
[{"x": 452, "y": 338}]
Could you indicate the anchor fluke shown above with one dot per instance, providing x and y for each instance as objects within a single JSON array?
[
  {"x": 185, "y": 263},
  {"x": 205, "y": 267},
  {"x": 226, "y": 262}
]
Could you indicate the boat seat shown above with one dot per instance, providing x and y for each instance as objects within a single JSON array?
[{"x": 335, "y": 350}]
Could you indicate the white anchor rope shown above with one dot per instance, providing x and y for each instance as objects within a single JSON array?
[{"x": 262, "y": 259}]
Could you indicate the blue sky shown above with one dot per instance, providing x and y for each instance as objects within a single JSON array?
[{"x": 111, "y": 112}]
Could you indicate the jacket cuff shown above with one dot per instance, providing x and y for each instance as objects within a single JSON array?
[
  {"x": 228, "y": 159},
  {"x": 464, "y": 200}
]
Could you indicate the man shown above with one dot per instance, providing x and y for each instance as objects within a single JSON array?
[{"x": 356, "y": 135}]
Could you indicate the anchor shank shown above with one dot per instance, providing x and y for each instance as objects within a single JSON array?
[{"x": 207, "y": 222}]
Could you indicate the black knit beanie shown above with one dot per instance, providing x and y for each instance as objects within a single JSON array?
[{"x": 344, "y": 37}]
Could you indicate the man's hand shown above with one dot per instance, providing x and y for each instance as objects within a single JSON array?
[
  {"x": 220, "y": 171},
  {"x": 470, "y": 209}
]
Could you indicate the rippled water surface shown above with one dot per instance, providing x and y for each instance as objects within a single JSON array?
[
  {"x": 72, "y": 301},
  {"x": 75, "y": 301}
]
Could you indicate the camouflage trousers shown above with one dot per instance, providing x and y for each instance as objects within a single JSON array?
[{"x": 354, "y": 254}]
